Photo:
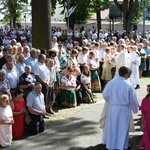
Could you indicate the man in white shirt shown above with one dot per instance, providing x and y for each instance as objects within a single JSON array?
[
  {"x": 36, "y": 107},
  {"x": 41, "y": 73},
  {"x": 32, "y": 59},
  {"x": 12, "y": 77}
]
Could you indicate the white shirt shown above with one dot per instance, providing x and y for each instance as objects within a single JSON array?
[
  {"x": 68, "y": 82},
  {"x": 101, "y": 54},
  {"x": 72, "y": 61},
  {"x": 82, "y": 58},
  {"x": 96, "y": 56},
  {"x": 92, "y": 62},
  {"x": 86, "y": 79},
  {"x": 52, "y": 76},
  {"x": 55, "y": 46},
  {"x": 12, "y": 77},
  {"x": 94, "y": 36},
  {"x": 41, "y": 70},
  {"x": 36, "y": 101}
]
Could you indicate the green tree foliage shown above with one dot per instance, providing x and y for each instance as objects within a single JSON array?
[
  {"x": 82, "y": 12},
  {"x": 85, "y": 9},
  {"x": 129, "y": 9},
  {"x": 12, "y": 10},
  {"x": 98, "y": 6},
  {"x": 53, "y": 6}
]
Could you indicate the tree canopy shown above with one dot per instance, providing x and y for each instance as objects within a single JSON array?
[{"x": 12, "y": 10}]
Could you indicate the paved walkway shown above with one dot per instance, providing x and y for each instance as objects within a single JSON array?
[{"x": 80, "y": 131}]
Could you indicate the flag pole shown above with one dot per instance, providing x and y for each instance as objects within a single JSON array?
[{"x": 68, "y": 12}]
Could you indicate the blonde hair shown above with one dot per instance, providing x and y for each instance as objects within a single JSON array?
[{"x": 3, "y": 98}]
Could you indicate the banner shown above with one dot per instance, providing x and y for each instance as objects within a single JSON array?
[{"x": 70, "y": 11}]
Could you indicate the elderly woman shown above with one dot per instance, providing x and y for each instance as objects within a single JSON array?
[
  {"x": 4, "y": 85},
  {"x": 27, "y": 81},
  {"x": 68, "y": 86},
  {"x": 6, "y": 121}
]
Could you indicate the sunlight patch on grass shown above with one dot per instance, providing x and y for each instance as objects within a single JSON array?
[{"x": 145, "y": 79}]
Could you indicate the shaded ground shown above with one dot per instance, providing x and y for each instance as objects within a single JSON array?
[{"x": 77, "y": 129}]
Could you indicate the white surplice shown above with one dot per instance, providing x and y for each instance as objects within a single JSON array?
[
  {"x": 134, "y": 66},
  {"x": 122, "y": 59},
  {"x": 122, "y": 98}
]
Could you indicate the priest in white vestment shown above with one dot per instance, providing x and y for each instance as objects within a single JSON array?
[
  {"x": 122, "y": 99},
  {"x": 122, "y": 59}
]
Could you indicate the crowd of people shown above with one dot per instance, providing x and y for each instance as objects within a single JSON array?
[{"x": 79, "y": 64}]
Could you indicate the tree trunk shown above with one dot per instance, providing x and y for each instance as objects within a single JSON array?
[
  {"x": 98, "y": 17},
  {"x": 126, "y": 22},
  {"x": 41, "y": 24},
  {"x": 14, "y": 22},
  {"x": 11, "y": 23}
]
